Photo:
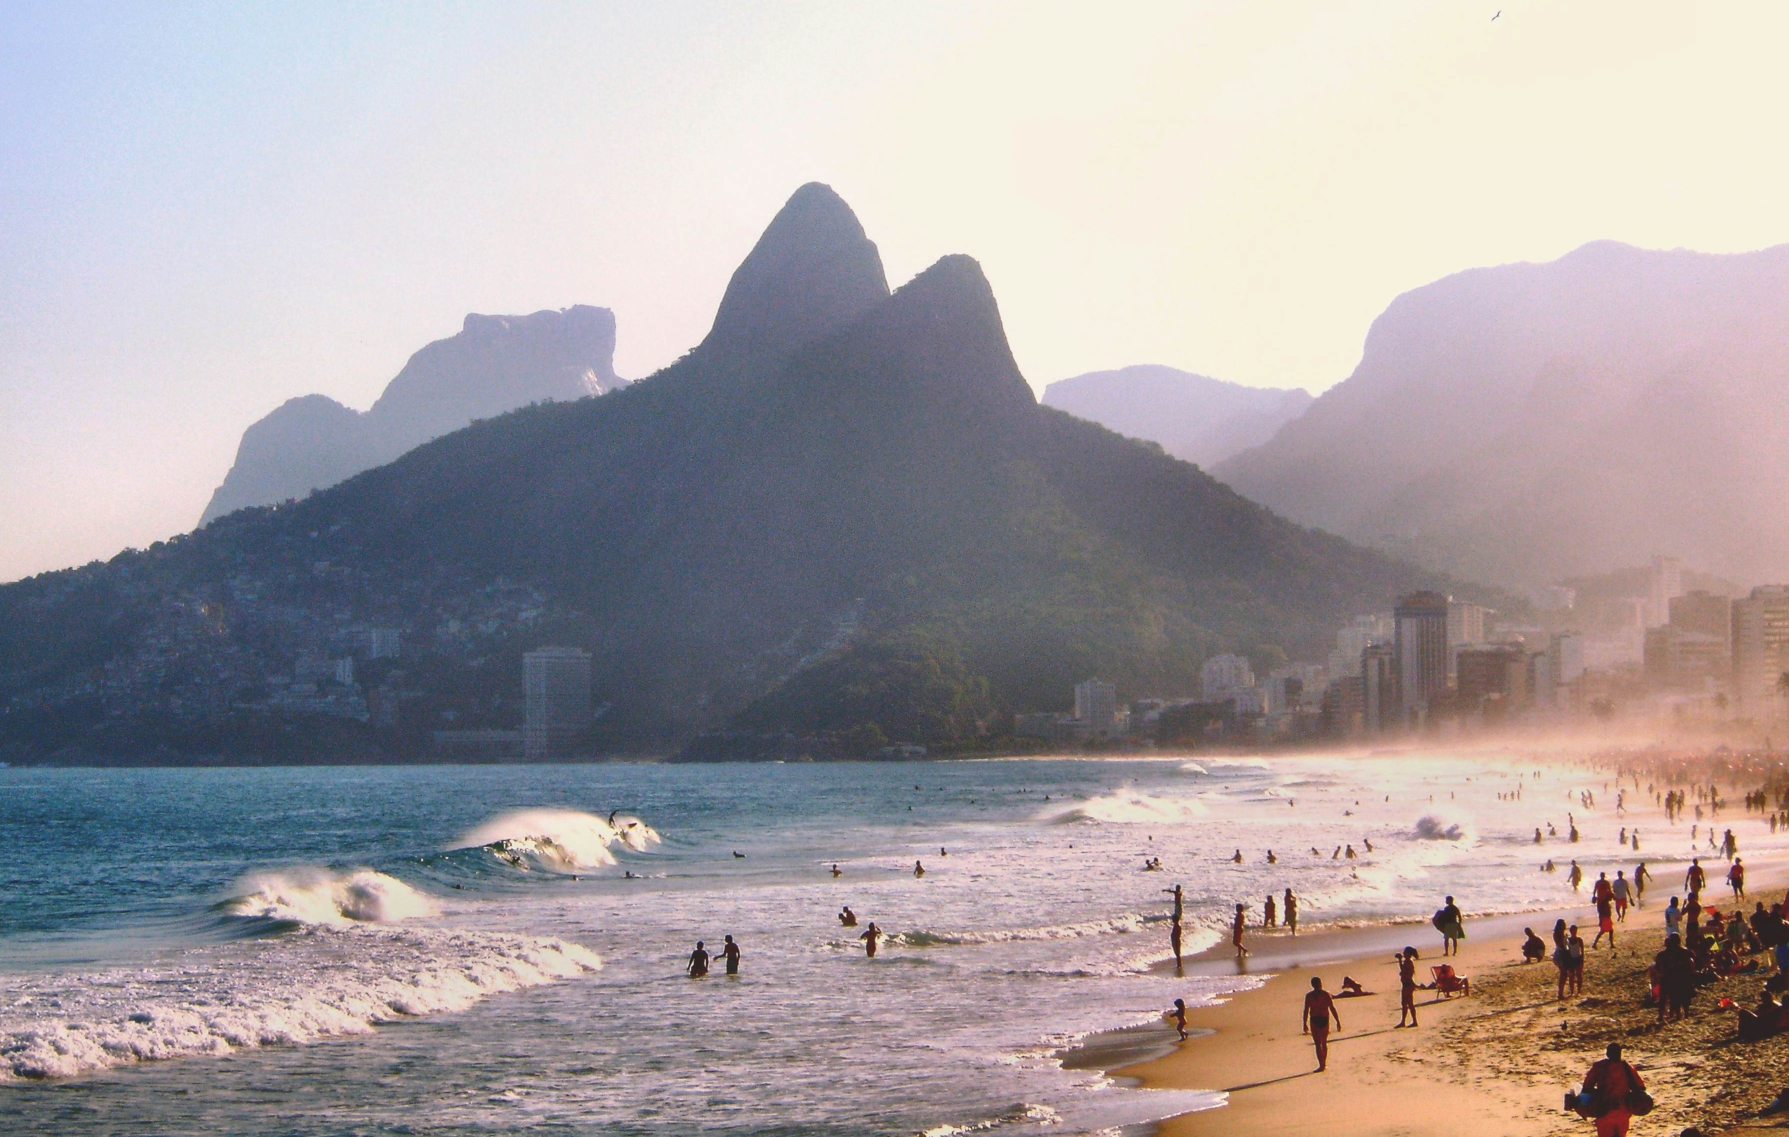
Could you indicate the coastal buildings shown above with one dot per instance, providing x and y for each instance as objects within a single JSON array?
[
  {"x": 556, "y": 695},
  {"x": 1096, "y": 709},
  {"x": 1379, "y": 688},
  {"x": 1222, "y": 676},
  {"x": 1420, "y": 644},
  {"x": 1760, "y": 648}
]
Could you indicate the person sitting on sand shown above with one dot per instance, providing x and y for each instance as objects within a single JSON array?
[
  {"x": 1407, "y": 986},
  {"x": 1607, "y": 1093},
  {"x": 1180, "y": 1018},
  {"x": 698, "y": 964},
  {"x": 1238, "y": 926},
  {"x": 847, "y": 917},
  {"x": 1534, "y": 949},
  {"x": 1351, "y": 989},
  {"x": 870, "y": 935},
  {"x": 1319, "y": 1008}
]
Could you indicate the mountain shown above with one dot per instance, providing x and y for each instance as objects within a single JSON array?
[
  {"x": 843, "y": 518},
  {"x": 1199, "y": 419},
  {"x": 495, "y": 364},
  {"x": 1529, "y": 422}
]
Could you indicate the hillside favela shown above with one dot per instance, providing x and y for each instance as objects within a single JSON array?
[{"x": 786, "y": 570}]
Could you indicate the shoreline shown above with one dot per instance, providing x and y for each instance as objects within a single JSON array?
[{"x": 1422, "y": 1082}]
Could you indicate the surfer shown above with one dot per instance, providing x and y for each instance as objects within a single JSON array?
[{"x": 698, "y": 964}]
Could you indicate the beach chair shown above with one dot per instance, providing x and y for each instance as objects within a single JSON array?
[{"x": 1448, "y": 983}]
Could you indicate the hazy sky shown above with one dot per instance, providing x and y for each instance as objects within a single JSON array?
[{"x": 207, "y": 210}]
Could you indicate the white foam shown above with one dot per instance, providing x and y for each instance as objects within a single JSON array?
[
  {"x": 1444, "y": 827},
  {"x": 319, "y": 896},
  {"x": 1127, "y": 806},
  {"x": 287, "y": 990},
  {"x": 558, "y": 839}
]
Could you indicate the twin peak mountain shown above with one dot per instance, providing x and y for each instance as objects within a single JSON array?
[{"x": 843, "y": 516}]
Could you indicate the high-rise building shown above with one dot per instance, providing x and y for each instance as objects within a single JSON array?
[
  {"x": 1096, "y": 708},
  {"x": 1353, "y": 639},
  {"x": 1760, "y": 648},
  {"x": 1420, "y": 641},
  {"x": 1224, "y": 675},
  {"x": 1379, "y": 687},
  {"x": 1493, "y": 673},
  {"x": 556, "y": 696},
  {"x": 1664, "y": 583},
  {"x": 1569, "y": 660},
  {"x": 1704, "y": 613},
  {"x": 1343, "y": 707}
]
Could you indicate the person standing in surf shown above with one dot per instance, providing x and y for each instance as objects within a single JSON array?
[
  {"x": 870, "y": 935},
  {"x": 1452, "y": 926},
  {"x": 698, "y": 964},
  {"x": 1238, "y": 926},
  {"x": 730, "y": 953},
  {"x": 1289, "y": 910}
]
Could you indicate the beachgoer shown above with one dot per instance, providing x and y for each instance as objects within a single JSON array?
[
  {"x": 1319, "y": 1008},
  {"x": 1269, "y": 917},
  {"x": 836, "y": 871},
  {"x": 1534, "y": 949},
  {"x": 1180, "y": 1018},
  {"x": 1271, "y": 859},
  {"x": 1621, "y": 891},
  {"x": 1238, "y": 926},
  {"x": 1562, "y": 957},
  {"x": 1174, "y": 939},
  {"x": 1236, "y": 858},
  {"x": 1736, "y": 879},
  {"x": 870, "y": 935},
  {"x": 1641, "y": 877},
  {"x": 1576, "y": 877},
  {"x": 1673, "y": 918},
  {"x": 730, "y": 953},
  {"x": 1608, "y": 1092},
  {"x": 1605, "y": 923},
  {"x": 1289, "y": 909},
  {"x": 919, "y": 870},
  {"x": 1602, "y": 889},
  {"x": 1675, "y": 970},
  {"x": 847, "y": 917},
  {"x": 1452, "y": 926},
  {"x": 1574, "y": 950},
  {"x": 698, "y": 964},
  {"x": 1695, "y": 880},
  {"x": 1407, "y": 985}
]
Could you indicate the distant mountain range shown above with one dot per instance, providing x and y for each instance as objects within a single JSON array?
[
  {"x": 1530, "y": 422},
  {"x": 842, "y": 519},
  {"x": 495, "y": 364},
  {"x": 1192, "y": 417}
]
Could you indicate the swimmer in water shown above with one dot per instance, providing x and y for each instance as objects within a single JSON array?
[
  {"x": 698, "y": 964},
  {"x": 847, "y": 917},
  {"x": 1237, "y": 858},
  {"x": 730, "y": 953},
  {"x": 836, "y": 871},
  {"x": 869, "y": 938}
]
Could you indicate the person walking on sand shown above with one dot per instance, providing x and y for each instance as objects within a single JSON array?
[
  {"x": 1407, "y": 985},
  {"x": 1736, "y": 879},
  {"x": 1641, "y": 877},
  {"x": 1602, "y": 889},
  {"x": 870, "y": 935},
  {"x": 730, "y": 953},
  {"x": 1605, "y": 923},
  {"x": 1622, "y": 892},
  {"x": 1452, "y": 926},
  {"x": 1180, "y": 1018},
  {"x": 698, "y": 964},
  {"x": 1319, "y": 1008},
  {"x": 1695, "y": 880},
  {"x": 1238, "y": 926},
  {"x": 1607, "y": 1093},
  {"x": 1289, "y": 910}
]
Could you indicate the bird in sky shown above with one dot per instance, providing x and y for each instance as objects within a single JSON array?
[{"x": 1499, "y": 13}]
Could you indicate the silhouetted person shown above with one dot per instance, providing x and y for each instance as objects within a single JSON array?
[
  {"x": 1180, "y": 1018},
  {"x": 847, "y": 917},
  {"x": 698, "y": 964},
  {"x": 730, "y": 953},
  {"x": 869, "y": 938}
]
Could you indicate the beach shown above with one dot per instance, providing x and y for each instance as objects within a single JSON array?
[{"x": 1495, "y": 1062}]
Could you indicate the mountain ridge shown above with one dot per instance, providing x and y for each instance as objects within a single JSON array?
[{"x": 1193, "y": 417}]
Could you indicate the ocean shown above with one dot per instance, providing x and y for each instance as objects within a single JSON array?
[{"x": 461, "y": 950}]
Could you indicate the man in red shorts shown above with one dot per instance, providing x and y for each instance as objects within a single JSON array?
[
  {"x": 1608, "y": 1087},
  {"x": 1319, "y": 1008}
]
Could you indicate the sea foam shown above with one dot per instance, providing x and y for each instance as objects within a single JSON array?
[
  {"x": 319, "y": 896},
  {"x": 559, "y": 840},
  {"x": 1128, "y": 806}
]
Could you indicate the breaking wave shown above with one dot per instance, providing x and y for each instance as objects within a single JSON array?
[
  {"x": 1442, "y": 827},
  {"x": 283, "y": 991},
  {"x": 558, "y": 840},
  {"x": 319, "y": 896},
  {"x": 1132, "y": 807},
  {"x": 1116, "y": 925}
]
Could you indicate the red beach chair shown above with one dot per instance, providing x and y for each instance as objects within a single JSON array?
[{"x": 1448, "y": 983}]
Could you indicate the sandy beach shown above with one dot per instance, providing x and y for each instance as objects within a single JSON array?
[{"x": 1496, "y": 1062}]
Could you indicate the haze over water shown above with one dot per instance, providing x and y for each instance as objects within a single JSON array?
[{"x": 315, "y": 950}]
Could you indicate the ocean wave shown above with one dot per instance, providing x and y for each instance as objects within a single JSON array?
[
  {"x": 1021, "y": 1113},
  {"x": 284, "y": 991},
  {"x": 1116, "y": 925},
  {"x": 320, "y": 896},
  {"x": 1132, "y": 807},
  {"x": 559, "y": 840},
  {"x": 1443, "y": 827},
  {"x": 1193, "y": 768}
]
